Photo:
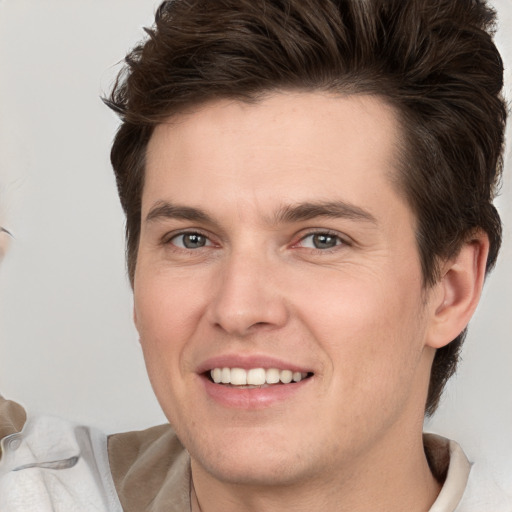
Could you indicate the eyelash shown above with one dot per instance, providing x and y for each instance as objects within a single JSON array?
[
  {"x": 168, "y": 240},
  {"x": 340, "y": 241}
]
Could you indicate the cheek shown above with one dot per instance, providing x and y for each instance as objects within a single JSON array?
[
  {"x": 355, "y": 307},
  {"x": 165, "y": 306},
  {"x": 370, "y": 329},
  {"x": 166, "y": 319},
  {"x": 166, "y": 316}
]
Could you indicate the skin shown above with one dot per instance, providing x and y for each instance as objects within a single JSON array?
[
  {"x": 355, "y": 315},
  {"x": 4, "y": 242}
]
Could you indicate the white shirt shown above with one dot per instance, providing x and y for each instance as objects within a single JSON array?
[{"x": 57, "y": 466}]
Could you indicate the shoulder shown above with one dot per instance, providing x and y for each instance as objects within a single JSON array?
[
  {"x": 467, "y": 486},
  {"x": 51, "y": 464},
  {"x": 487, "y": 490},
  {"x": 150, "y": 468}
]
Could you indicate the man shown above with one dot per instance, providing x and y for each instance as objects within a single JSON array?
[{"x": 308, "y": 189}]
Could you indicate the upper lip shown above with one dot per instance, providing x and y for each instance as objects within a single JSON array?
[{"x": 248, "y": 362}]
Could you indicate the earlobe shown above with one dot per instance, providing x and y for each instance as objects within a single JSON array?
[{"x": 458, "y": 291}]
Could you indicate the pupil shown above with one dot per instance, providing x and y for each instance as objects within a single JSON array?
[
  {"x": 193, "y": 241},
  {"x": 323, "y": 241}
]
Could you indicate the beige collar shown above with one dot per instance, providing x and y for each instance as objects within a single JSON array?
[{"x": 449, "y": 463}]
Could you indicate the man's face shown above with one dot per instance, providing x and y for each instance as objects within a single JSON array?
[{"x": 274, "y": 242}]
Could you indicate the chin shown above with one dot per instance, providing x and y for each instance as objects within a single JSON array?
[
  {"x": 265, "y": 473},
  {"x": 249, "y": 461}
]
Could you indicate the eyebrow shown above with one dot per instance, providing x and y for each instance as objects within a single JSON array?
[
  {"x": 331, "y": 209},
  {"x": 3, "y": 230},
  {"x": 286, "y": 214},
  {"x": 165, "y": 210}
]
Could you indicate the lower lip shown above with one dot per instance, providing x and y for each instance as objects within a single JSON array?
[{"x": 251, "y": 398}]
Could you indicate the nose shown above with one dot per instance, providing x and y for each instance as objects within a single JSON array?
[{"x": 248, "y": 296}]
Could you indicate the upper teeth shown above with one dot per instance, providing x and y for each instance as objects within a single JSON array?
[{"x": 254, "y": 376}]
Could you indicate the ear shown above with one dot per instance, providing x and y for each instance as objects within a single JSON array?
[{"x": 457, "y": 293}]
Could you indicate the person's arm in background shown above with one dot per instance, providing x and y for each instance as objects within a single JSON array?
[
  {"x": 4, "y": 241},
  {"x": 12, "y": 417}
]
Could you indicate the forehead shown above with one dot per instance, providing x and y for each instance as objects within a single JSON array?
[{"x": 287, "y": 148}]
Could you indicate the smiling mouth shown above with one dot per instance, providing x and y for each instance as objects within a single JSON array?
[{"x": 255, "y": 377}]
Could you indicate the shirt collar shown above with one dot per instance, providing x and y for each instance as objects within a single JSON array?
[{"x": 449, "y": 463}]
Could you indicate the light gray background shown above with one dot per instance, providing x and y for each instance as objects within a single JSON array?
[{"x": 67, "y": 344}]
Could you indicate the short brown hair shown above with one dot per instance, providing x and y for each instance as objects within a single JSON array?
[{"x": 434, "y": 61}]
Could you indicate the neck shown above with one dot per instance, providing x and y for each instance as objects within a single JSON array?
[{"x": 391, "y": 480}]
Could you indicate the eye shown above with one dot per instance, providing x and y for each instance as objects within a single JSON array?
[
  {"x": 320, "y": 241},
  {"x": 190, "y": 241}
]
